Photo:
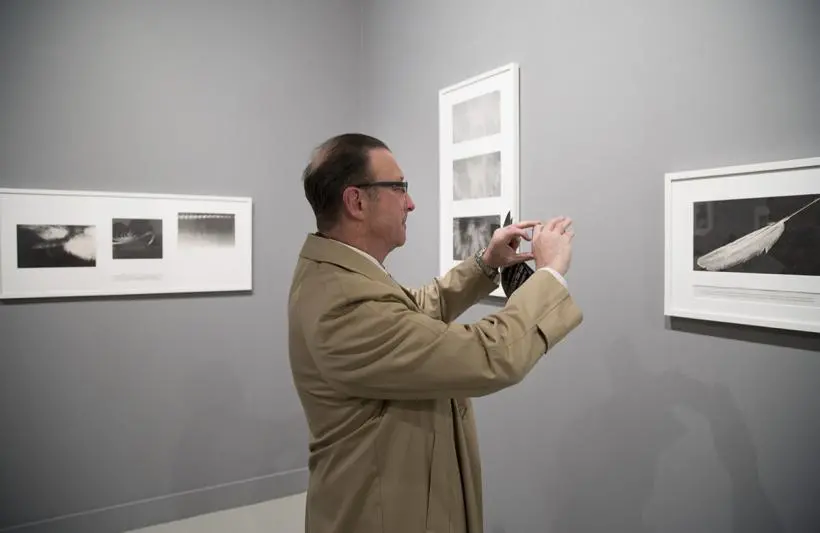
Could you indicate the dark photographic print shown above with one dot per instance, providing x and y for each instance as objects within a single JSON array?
[
  {"x": 477, "y": 117},
  {"x": 470, "y": 234},
  {"x": 777, "y": 235},
  {"x": 206, "y": 230},
  {"x": 478, "y": 176},
  {"x": 56, "y": 246},
  {"x": 136, "y": 238}
]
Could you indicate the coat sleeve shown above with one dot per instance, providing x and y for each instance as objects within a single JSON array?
[
  {"x": 380, "y": 348},
  {"x": 448, "y": 296}
]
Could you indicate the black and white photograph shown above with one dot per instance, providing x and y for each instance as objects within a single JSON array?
[
  {"x": 56, "y": 246},
  {"x": 477, "y": 117},
  {"x": 768, "y": 235},
  {"x": 470, "y": 234},
  {"x": 478, "y": 176},
  {"x": 136, "y": 238},
  {"x": 206, "y": 230},
  {"x": 742, "y": 244}
]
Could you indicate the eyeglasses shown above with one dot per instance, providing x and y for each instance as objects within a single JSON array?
[{"x": 392, "y": 184}]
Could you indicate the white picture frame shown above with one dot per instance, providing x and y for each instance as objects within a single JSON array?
[
  {"x": 706, "y": 210},
  {"x": 61, "y": 243},
  {"x": 479, "y": 162}
]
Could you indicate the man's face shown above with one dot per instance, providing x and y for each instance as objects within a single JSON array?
[{"x": 391, "y": 204}]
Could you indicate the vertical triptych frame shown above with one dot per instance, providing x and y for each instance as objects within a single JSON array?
[{"x": 479, "y": 162}]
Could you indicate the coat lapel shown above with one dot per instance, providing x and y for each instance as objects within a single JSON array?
[{"x": 325, "y": 250}]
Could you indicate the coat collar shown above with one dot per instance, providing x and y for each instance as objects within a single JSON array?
[{"x": 325, "y": 250}]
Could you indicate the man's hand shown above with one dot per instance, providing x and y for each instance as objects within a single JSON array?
[
  {"x": 503, "y": 248},
  {"x": 552, "y": 244}
]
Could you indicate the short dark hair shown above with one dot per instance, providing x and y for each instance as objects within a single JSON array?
[{"x": 336, "y": 164}]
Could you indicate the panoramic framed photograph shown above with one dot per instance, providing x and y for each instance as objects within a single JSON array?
[
  {"x": 92, "y": 243},
  {"x": 479, "y": 162},
  {"x": 743, "y": 244}
]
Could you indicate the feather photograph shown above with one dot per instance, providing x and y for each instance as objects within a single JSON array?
[
  {"x": 767, "y": 235},
  {"x": 742, "y": 244}
]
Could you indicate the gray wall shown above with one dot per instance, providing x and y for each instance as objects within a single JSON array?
[
  {"x": 633, "y": 424},
  {"x": 118, "y": 413}
]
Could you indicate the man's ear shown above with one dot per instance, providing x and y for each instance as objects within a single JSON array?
[{"x": 353, "y": 200}]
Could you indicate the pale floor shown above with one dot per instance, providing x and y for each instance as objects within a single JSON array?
[{"x": 285, "y": 515}]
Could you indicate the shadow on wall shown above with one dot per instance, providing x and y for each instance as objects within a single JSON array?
[
  {"x": 799, "y": 340},
  {"x": 608, "y": 459}
]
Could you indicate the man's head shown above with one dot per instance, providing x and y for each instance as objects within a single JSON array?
[{"x": 357, "y": 191}]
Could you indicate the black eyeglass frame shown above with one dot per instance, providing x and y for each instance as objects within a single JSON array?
[{"x": 392, "y": 184}]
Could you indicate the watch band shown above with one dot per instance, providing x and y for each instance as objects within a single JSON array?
[{"x": 488, "y": 271}]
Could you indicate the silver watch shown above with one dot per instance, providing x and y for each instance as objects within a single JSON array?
[{"x": 488, "y": 271}]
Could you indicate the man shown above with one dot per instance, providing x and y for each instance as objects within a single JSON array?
[{"x": 383, "y": 374}]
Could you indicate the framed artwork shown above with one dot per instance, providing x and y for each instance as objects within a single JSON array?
[
  {"x": 743, "y": 244},
  {"x": 479, "y": 162},
  {"x": 92, "y": 243}
]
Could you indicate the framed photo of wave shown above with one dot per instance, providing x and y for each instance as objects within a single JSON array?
[
  {"x": 743, "y": 244},
  {"x": 93, "y": 243},
  {"x": 479, "y": 162}
]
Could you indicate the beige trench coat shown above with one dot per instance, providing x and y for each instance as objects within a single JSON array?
[{"x": 385, "y": 380}]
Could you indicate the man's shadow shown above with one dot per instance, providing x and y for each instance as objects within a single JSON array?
[{"x": 607, "y": 460}]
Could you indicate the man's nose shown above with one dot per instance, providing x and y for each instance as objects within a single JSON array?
[{"x": 410, "y": 205}]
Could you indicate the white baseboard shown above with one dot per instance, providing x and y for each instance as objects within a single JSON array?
[{"x": 164, "y": 509}]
